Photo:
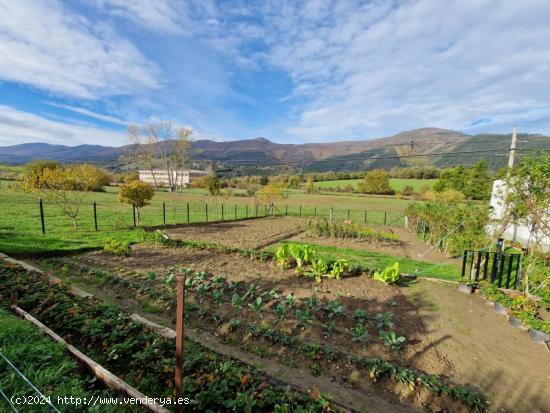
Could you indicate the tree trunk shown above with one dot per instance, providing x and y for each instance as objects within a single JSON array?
[
  {"x": 137, "y": 215},
  {"x": 74, "y": 223}
]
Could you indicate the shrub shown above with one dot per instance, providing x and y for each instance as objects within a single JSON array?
[
  {"x": 117, "y": 247},
  {"x": 322, "y": 228},
  {"x": 407, "y": 190},
  {"x": 377, "y": 181}
]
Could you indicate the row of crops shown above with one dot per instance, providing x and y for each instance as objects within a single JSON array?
[
  {"x": 146, "y": 360},
  {"x": 323, "y": 335}
]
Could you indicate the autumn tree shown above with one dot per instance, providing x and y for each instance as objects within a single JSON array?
[
  {"x": 309, "y": 184},
  {"x": 65, "y": 187},
  {"x": 376, "y": 181},
  {"x": 164, "y": 145},
  {"x": 136, "y": 193},
  {"x": 526, "y": 201}
]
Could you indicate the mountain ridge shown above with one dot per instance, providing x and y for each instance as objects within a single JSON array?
[{"x": 424, "y": 146}]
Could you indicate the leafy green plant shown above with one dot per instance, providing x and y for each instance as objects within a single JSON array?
[
  {"x": 290, "y": 299},
  {"x": 334, "y": 308},
  {"x": 117, "y": 247},
  {"x": 281, "y": 310},
  {"x": 390, "y": 275},
  {"x": 302, "y": 253},
  {"x": 391, "y": 340},
  {"x": 384, "y": 320},
  {"x": 284, "y": 256},
  {"x": 217, "y": 295},
  {"x": 313, "y": 303},
  {"x": 257, "y": 306},
  {"x": 339, "y": 267},
  {"x": 237, "y": 301},
  {"x": 273, "y": 295},
  {"x": 360, "y": 315},
  {"x": 319, "y": 268},
  {"x": 304, "y": 316},
  {"x": 360, "y": 333},
  {"x": 329, "y": 328}
]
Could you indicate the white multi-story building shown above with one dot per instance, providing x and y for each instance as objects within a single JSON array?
[
  {"x": 180, "y": 178},
  {"x": 517, "y": 231}
]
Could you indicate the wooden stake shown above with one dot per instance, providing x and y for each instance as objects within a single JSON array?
[
  {"x": 180, "y": 317},
  {"x": 100, "y": 372}
]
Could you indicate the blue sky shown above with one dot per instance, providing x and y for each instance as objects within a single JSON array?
[{"x": 80, "y": 71}]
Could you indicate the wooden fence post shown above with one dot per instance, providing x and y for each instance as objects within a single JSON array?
[
  {"x": 164, "y": 212},
  {"x": 300, "y": 210},
  {"x": 365, "y": 216},
  {"x": 180, "y": 317},
  {"x": 246, "y": 210},
  {"x": 235, "y": 212},
  {"x": 348, "y": 214},
  {"x": 95, "y": 215},
  {"x": 286, "y": 209},
  {"x": 188, "y": 213},
  {"x": 206, "y": 211},
  {"x": 385, "y": 216},
  {"x": 256, "y": 210},
  {"x": 315, "y": 211},
  {"x": 222, "y": 212},
  {"x": 41, "y": 203}
]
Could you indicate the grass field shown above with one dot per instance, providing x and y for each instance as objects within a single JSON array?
[
  {"x": 397, "y": 184},
  {"x": 20, "y": 225}
]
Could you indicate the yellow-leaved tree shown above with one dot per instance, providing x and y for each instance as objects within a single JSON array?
[{"x": 136, "y": 193}]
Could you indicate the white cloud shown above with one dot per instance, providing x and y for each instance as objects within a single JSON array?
[
  {"x": 23, "y": 127},
  {"x": 364, "y": 69},
  {"x": 44, "y": 45},
  {"x": 95, "y": 115},
  {"x": 159, "y": 15}
]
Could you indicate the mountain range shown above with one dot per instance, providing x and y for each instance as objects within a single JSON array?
[{"x": 419, "y": 147}]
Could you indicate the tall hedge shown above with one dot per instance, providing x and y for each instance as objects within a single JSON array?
[{"x": 451, "y": 227}]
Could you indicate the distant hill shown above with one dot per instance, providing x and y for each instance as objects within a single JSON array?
[{"x": 439, "y": 147}]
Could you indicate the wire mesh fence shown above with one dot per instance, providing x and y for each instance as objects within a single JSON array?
[{"x": 34, "y": 216}]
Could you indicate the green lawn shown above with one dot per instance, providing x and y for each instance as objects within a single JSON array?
[
  {"x": 378, "y": 261},
  {"x": 45, "y": 363},
  {"x": 397, "y": 184}
]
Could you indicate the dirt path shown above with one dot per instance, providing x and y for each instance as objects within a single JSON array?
[{"x": 484, "y": 350}]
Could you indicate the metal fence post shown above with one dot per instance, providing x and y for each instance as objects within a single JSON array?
[
  {"x": 95, "y": 215},
  {"x": 300, "y": 210},
  {"x": 41, "y": 203},
  {"x": 188, "y": 213}
]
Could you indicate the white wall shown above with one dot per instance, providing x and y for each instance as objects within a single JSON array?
[{"x": 519, "y": 231}]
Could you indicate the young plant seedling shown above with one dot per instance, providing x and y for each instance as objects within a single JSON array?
[
  {"x": 360, "y": 333},
  {"x": 391, "y": 340},
  {"x": 237, "y": 301},
  {"x": 257, "y": 306},
  {"x": 384, "y": 320},
  {"x": 304, "y": 317},
  {"x": 334, "y": 309},
  {"x": 360, "y": 315},
  {"x": 218, "y": 295},
  {"x": 329, "y": 328},
  {"x": 280, "y": 310}
]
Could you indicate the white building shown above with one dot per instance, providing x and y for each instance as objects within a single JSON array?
[
  {"x": 519, "y": 231},
  {"x": 181, "y": 178}
]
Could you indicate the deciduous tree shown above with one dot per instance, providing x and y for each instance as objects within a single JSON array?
[{"x": 136, "y": 193}]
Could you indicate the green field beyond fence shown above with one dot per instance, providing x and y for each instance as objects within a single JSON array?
[
  {"x": 21, "y": 220},
  {"x": 397, "y": 184}
]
